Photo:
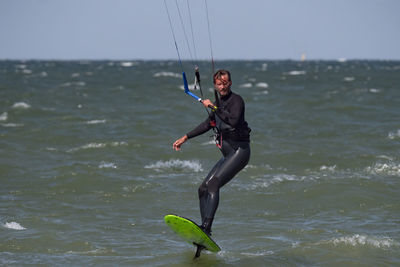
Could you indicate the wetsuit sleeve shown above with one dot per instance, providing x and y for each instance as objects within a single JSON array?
[
  {"x": 233, "y": 116},
  {"x": 200, "y": 129}
]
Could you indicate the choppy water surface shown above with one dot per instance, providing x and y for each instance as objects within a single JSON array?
[{"x": 87, "y": 169}]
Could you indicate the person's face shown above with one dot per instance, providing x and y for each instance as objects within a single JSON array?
[{"x": 223, "y": 85}]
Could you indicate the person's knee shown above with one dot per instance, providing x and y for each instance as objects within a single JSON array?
[
  {"x": 213, "y": 185},
  {"x": 202, "y": 190}
]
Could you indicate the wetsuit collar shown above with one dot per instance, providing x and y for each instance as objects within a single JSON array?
[{"x": 225, "y": 97}]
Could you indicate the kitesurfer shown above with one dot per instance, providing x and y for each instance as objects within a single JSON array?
[{"x": 233, "y": 139}]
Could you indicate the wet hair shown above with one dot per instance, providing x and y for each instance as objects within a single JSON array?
[{"x": 220, "y": 73}]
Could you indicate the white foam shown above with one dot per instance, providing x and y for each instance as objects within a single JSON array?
[
  {"x": 11, "y": 125},
  {"x": 258, "y": 254},
  {"x": 295, "y": 72},
  {"x": 262, "y": 85},
  {"x": 327, "y": 168},
  {"x": 384, "y": 157},
  {"x": 21, "y": 105},
  {"x": 88, "y": 146},
  {"x": 193, "y": 165},
  {"x": 97, "y": 145},
  {"x": 122, "y": 143},
  {"x": 394, "y": 135},
  {"x": 250, "y": 166},
  {"x": 363, "y": 240},
  {"x": 80, "y": 83},
  {"x": 264, "y": 66},
  {"x": 4, "y": 116},
  {"x": 93, "y": 145},
  {"x": 265, "y": 92},
  {"x": 246, "y": 85},
  {"x": 68, "y": 84},
  {"x": 390, "y": 168},
  {"x": 106, "y": 165},
  {"x": 14, "y": 226},
  {"x": 20, "y": 66},
  {"x": 348, "y": 79},
  {"x": 277, "y": 179},
  {"x": 134, "y": 188},
  {"x": 26, "y": 71},
  {"x": 128, "y": 64},
  {"x": 167, "y": 74},
  {"x": 374, "y": 90},
  {"x": 96, "y": 122}
]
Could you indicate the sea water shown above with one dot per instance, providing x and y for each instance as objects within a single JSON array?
[{"x": 87, "y": 170}]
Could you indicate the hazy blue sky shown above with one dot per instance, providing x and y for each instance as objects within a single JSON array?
[{"x": 241, "y": 29}]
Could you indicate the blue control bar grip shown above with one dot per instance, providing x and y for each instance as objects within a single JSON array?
[{"x": 185, "y": 84}]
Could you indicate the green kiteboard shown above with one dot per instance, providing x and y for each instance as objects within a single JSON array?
[{"x": 191, "y": 233}]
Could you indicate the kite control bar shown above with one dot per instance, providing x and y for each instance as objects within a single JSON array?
[{"x": 186, "y": 86}]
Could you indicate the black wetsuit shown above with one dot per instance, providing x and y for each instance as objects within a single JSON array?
[{"x": 234, "y": 139}]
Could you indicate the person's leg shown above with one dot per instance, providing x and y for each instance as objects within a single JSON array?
[
  {"x": 221, "y": 174},
  {"x": 203, "y": 189}
]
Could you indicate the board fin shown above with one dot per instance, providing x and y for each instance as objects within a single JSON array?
[{"x": 198, "y": 250}]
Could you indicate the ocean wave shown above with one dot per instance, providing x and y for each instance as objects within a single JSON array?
[
  {"x": 268, "y": 180},
  {"x": 176, "y": 164},
  {"x": 265, "y": 92},
  {"x": 21, "y": 105},
  {"x": 327, "y": 168},
  {"x": 69, "y": 84},
  {"x": 374, "y": 90},
  {"x": 4, "y": 116},
  {"x": 135, "y": 188},
  {"x": 122, "y": 143},
  {"x": 14, "y": 226},
  {"x": 43, "y": 74},
  {"x": 11, "y": 125},
  {"x": 363, "y": 240},
  {"x": 96, "y": 122},
  {"x": 97, "y": 145},
  {"x": 262, "y": 85},
  {"x": 264, "y": 67},
  {"x": 349, "y": 79},
  {"x": 390, "y": 168},
  {"x": 128, "y": 64},
  {"x": 277, "y": 179},
  {"x": 258, "y": 254},
  {"x": 27, "y": 71},
  {"x": 20, "y": 66},
  {"x": 246, "y": 85},
  {"x": 167, "y": 74},
  {"x": 107, "y": 165},
  {"x": 394, "y": 135},
  {"x": 295, "y": 72}
]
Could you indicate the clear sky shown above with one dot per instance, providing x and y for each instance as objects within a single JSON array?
[{"x": 240, "y": 29}]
